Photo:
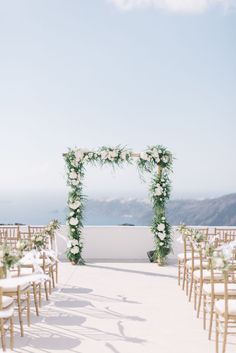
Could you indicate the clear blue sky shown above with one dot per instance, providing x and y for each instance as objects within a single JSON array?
[{"x": 98, "y": 72}]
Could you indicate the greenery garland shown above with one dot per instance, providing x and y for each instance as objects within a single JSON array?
[{"x": 156, "y": 160}]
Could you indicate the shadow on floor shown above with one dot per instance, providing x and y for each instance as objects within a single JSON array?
[{"x": 153, "y": 274}]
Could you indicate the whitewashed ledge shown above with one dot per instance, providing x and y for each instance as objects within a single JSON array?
[{"x": 117, "y": 242}]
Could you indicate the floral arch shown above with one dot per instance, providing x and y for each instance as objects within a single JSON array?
[{"x": 156, "y": 160}]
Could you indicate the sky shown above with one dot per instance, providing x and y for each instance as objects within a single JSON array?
[{"x": 135, "y": 73}]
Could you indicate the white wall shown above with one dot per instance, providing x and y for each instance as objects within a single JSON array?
[{"x": 115, "y": 242}]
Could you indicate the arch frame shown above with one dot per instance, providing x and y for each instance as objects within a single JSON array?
[{"x": 156, "y": 160}]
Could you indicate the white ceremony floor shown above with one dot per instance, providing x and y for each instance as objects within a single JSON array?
[{"x": 117, "y": 308}]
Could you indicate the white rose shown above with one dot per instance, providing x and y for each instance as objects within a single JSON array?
[
  {"x": 73, "y": 175},
  {"x": 123, "y": 155},
  {"x": 74, "y": 221},
  {"x": 75, "y": 182},
  {"x": 75, "y": 205},
  {"x": 161, "y": 236},
  {"x": 74, "y": 250},
  {"x": 104, "y": 155},
  {"x": 144, "y": 156},
  {"x": 158, "y": 191},
  {"x": 165, "y": 159},
  {"x": 161, "y": 227},
  {"x": 79, "y": 154},
  {"x": 74, "y": 242},
  {"x": 219, "y": 262},
  {"x": 71, "y": 214}
]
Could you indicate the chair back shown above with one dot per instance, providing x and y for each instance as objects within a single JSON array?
[{"x": 10, "y": 235}]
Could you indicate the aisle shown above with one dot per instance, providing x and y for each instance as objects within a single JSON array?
[{"x": 117, "y": 308}]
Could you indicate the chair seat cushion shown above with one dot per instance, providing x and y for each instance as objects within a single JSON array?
[
  {"x": 188, "y": 256},
  {"x": 11, "y": 284},
  {"x": 40, "y": 262},
  {"x": 6, "y": 301},
  {"x": 219, "y": 289},
  {"x": 206, "y": 275},
  {"x": 6, "y": 313},
  {"x": 220, "y": 307},
  {"x": 196, "y": 264}
]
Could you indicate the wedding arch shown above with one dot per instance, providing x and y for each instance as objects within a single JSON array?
[{"x": 155, "y": 160}]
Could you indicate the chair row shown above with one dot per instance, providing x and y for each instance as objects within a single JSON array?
[{"x": 207, "y": 269}]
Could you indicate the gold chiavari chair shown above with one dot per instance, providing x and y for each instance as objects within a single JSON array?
[
  {"x": 225, "y": 312},
  {"x": 182, "y": 259},
  {"x": 225, "y": 235},
  {"x": 201, "y": 277},
  {"x": 190, "y": 265},
  {"x": 215, "y": 291},
  {"x": 21, "y": 295},
  {"x": 51, "y": 266},
  {"x": 196, "y": 263},
  {"x": 6, "y": 319},
  {"x": 10, "y": 235},
  {"x": 37, "y": 286}
]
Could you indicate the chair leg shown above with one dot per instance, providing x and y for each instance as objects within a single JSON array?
[
  {"x": 204, "y": 311},
  {"x": 191, "y": 288},
  {"x": 40, "y": 295},
  {"x": 57, "y": 272},
  {"x": 46, "y": 290},
  {"x": 53, "y": 279},
  {"x": 179, "y": 272},
  {"x": 184, "y": 277},
  {"x": 224, "y": 336},
  {"x": 28, "y": 307},
  {"x": 20, "y": 313},
  {"x": 195, "y": 295},
  {"x": 211, "y": 318},
  {"x": 35, "y": 299},
  {"x": 217, "y": 335},
  {"x": 12, "y": 332},
  {"x": 187, "y": 282},
  {"x": 3, "y": 336},
  {"x": 199, "y": 300}
]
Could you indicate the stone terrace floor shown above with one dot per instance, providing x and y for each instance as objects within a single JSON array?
[{"x": 117, "y": 308}]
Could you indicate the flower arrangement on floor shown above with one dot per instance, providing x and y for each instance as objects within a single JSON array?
[{"x": 156, "y": 160}]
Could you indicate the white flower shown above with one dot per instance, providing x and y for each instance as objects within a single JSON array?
[
  {"x": 104, "y": 155},
  {"x": 165, "y": 159},
  {"x": 71, "y": 214},
  {"x": 39, "y": 238},
  {"x": 161, "y": 243},
  {"x": 74, "y": 221},
  {"x": 158, "y": 190},
  {"x": 219, "y": 263},
  {"x": 144, "y": 156},
  {"x": 124, "y": 155},
  {"x": 79, "y": 154},
  {"x": 161, "y": 236},
  {"x": 74, "y": 242},
  {"x": 161, "y": 227},
  {"x": 74, "y": 250},
  {"x": 74, "y": 205},
  {"x": 1, "y": 254},
  {"x": 73, "y": 175},
  {"x": 75, "y": 182}
]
